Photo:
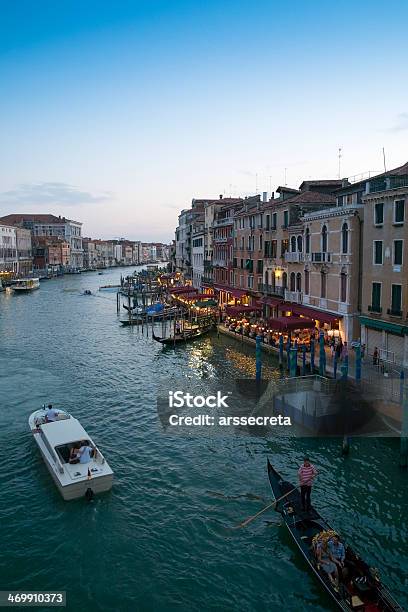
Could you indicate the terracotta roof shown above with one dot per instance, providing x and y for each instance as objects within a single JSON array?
[
  {"x": 400, "y": 171},
  {"x": 307, "y": 185},
  {"x": 304, "y": 197},
  {"x": 14, "y": 218}
]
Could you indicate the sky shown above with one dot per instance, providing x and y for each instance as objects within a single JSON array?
[{"x": 117, "y": 114}]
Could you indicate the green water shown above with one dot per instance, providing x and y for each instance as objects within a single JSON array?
[{"x": 161, "y": 540}]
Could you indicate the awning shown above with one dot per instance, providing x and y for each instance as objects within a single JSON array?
[
  {"x": 236, "y": 310},
  {"x": 271, "y": 301},
  {"x": 392, "y": 328},
  {"x": 289, "y": 323},
  {"x": 236, "y": 293},
  {"x": 312, "y": 313}
]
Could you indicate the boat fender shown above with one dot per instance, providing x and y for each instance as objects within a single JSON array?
[{"x": 89, "y": 494}]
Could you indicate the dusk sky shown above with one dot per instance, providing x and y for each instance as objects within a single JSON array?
[{"x": 117, "y": 114}]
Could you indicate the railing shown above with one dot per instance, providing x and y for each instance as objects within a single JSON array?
[
  {"x": 294, "y": 257},
  {"x": 223, "y": 222},
  {"x": 374, "y": 308},
  {"x": 271, "y": 290},
  {"x": 294, "y": 296},
  {"x": 321, "y": 257}
]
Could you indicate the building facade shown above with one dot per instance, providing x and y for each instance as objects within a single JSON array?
[
  {"x": 24, "y": 251},
  {"x": 8, "y": 251},
  {"x": 384, "y": 320}
]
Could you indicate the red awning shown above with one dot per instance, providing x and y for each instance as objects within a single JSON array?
[
  {"x": 236, "y": 293},
  {"x": 236, "y": 310},
  {"x": 289, "y": 323},
  {"x": 313, "y": 313},
  {"x": 271, "y": 301}
]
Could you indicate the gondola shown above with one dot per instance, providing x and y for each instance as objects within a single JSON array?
[
  {"x": 360, "y": 587},
  {"x": 185, "y": 336}
]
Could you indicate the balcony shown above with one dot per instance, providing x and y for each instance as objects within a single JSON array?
[
  {"x": 223, "y": 222},
  {"x": 321, "y": 257},
  {"x": 294, "y": 257},
  {"x": 375, "y": 309},
  {"x": 294, "y": 296},
  {"x": 271, "y": 290},
  {"x": 394, "y": 313}
]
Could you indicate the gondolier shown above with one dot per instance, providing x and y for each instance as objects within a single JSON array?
[{"x": 307, "y": 473}]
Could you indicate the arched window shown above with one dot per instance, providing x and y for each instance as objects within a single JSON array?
[
  {"x": 293, "y": 281},
  {"x": 324, "y": 239},
  {"x": 300, "y": 244},
  {"x": 307, "y": 282},
  {"x": 284, "y": 280},
  {"x": 323, "y": 284},
  {"x": 273, "y": 281},
  {"x": 298, "y": 282},
  {"x": 307, "y": 240},
  {"x": 344, "y": 238},
  {"x": 266, "y": 277},
  {"x": 343, "y": 287},
  {"x": 293, "y": 244}
]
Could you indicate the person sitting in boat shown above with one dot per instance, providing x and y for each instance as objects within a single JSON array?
[
  {"x": 337, "y": 550},
  {"x": 327, "y": 562},
  {"x": 84, "y": 454},
  {"x": 51, "y": 414},
  {"x": 178, "y": 328}
]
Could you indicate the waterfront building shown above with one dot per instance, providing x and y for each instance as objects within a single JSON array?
[
  {"x": 184, "y": 232},
  {"x": 281, "y": 214},
  {"x": 51, "y": 254},
  {"x": 24, "y": 251},
  {"x": 324, "y": 267},
  {"x": 8, "y": 251},
  {"x": 50, "y": 225},
  {"x": 198, "y": 253},
  {"x": 384, "y": 309},
  {"x": 248, "y": 255}
]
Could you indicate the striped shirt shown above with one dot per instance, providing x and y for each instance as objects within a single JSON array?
[{"x": 307, "y": 474}]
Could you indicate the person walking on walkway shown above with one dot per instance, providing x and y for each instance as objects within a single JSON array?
[{"x": 307, "y": 473}]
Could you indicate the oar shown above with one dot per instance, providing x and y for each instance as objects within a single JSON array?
[{"x": 251, "y": 518}]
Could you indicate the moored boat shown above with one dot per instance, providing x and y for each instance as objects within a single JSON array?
[
  {"x": 109, "y": 288},
  {"x": 360, "y": 587},
  {"x": 24, "y": 285},
  {"x": 55, "y": 440},
  {"x": 184, "y": 336}
]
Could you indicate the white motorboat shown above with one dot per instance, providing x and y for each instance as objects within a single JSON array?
[
  {"x": 55, "y": 440},
  {"x": 26, "y": 284}
]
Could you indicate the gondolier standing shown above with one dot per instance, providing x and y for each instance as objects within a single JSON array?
[{"x": 307, "y": 473}]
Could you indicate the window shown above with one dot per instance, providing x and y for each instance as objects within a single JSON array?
[
  {"x": 343, "y": 287},
  {"x": 376, "y": 297},
  {"x": 293, "y": 244},
  {"x": 378, "y": 252},
  {"x": 250, "y": 282},
  {"x": 300, "y": 243},
  {"x": 324, "y": 239},
  {"x": 284, "y": 246},
  {"x": 292, "y": 281},
  {"x": 260, "y": 242},
  {"x": 307, "y": 240},
  {"x": 298, "y": 282},
  {"x": 259, "y": 266},
  {"x": 274, "y": 221},
  {"x": 285, "y": 218},
  {"x": 379, "y": 213},
  {"x": 344, "y": 238},
  {"x": 307, "y": 281},
  {"x": 268, "y": 222},
  {"x": 273, "y": 280},
  {"x": 274, "y": 249},
  {"x": 284, "y": 280},
  {"x": 396, "y": 294},
  {"x": 323, "y": 283},
  {"x": 398, "y": 244},
  {"x": 399, "y": 211},
  {"x": 340, "y": 200}
]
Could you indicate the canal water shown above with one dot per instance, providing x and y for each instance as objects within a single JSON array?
[{"x": 161, "y": 540}]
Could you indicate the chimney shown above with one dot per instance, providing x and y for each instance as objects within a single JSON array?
[
  {"x": 344, "y": 182},
  {"x": 220, "y": 196},
  {"x": 264, "y": 196}
]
